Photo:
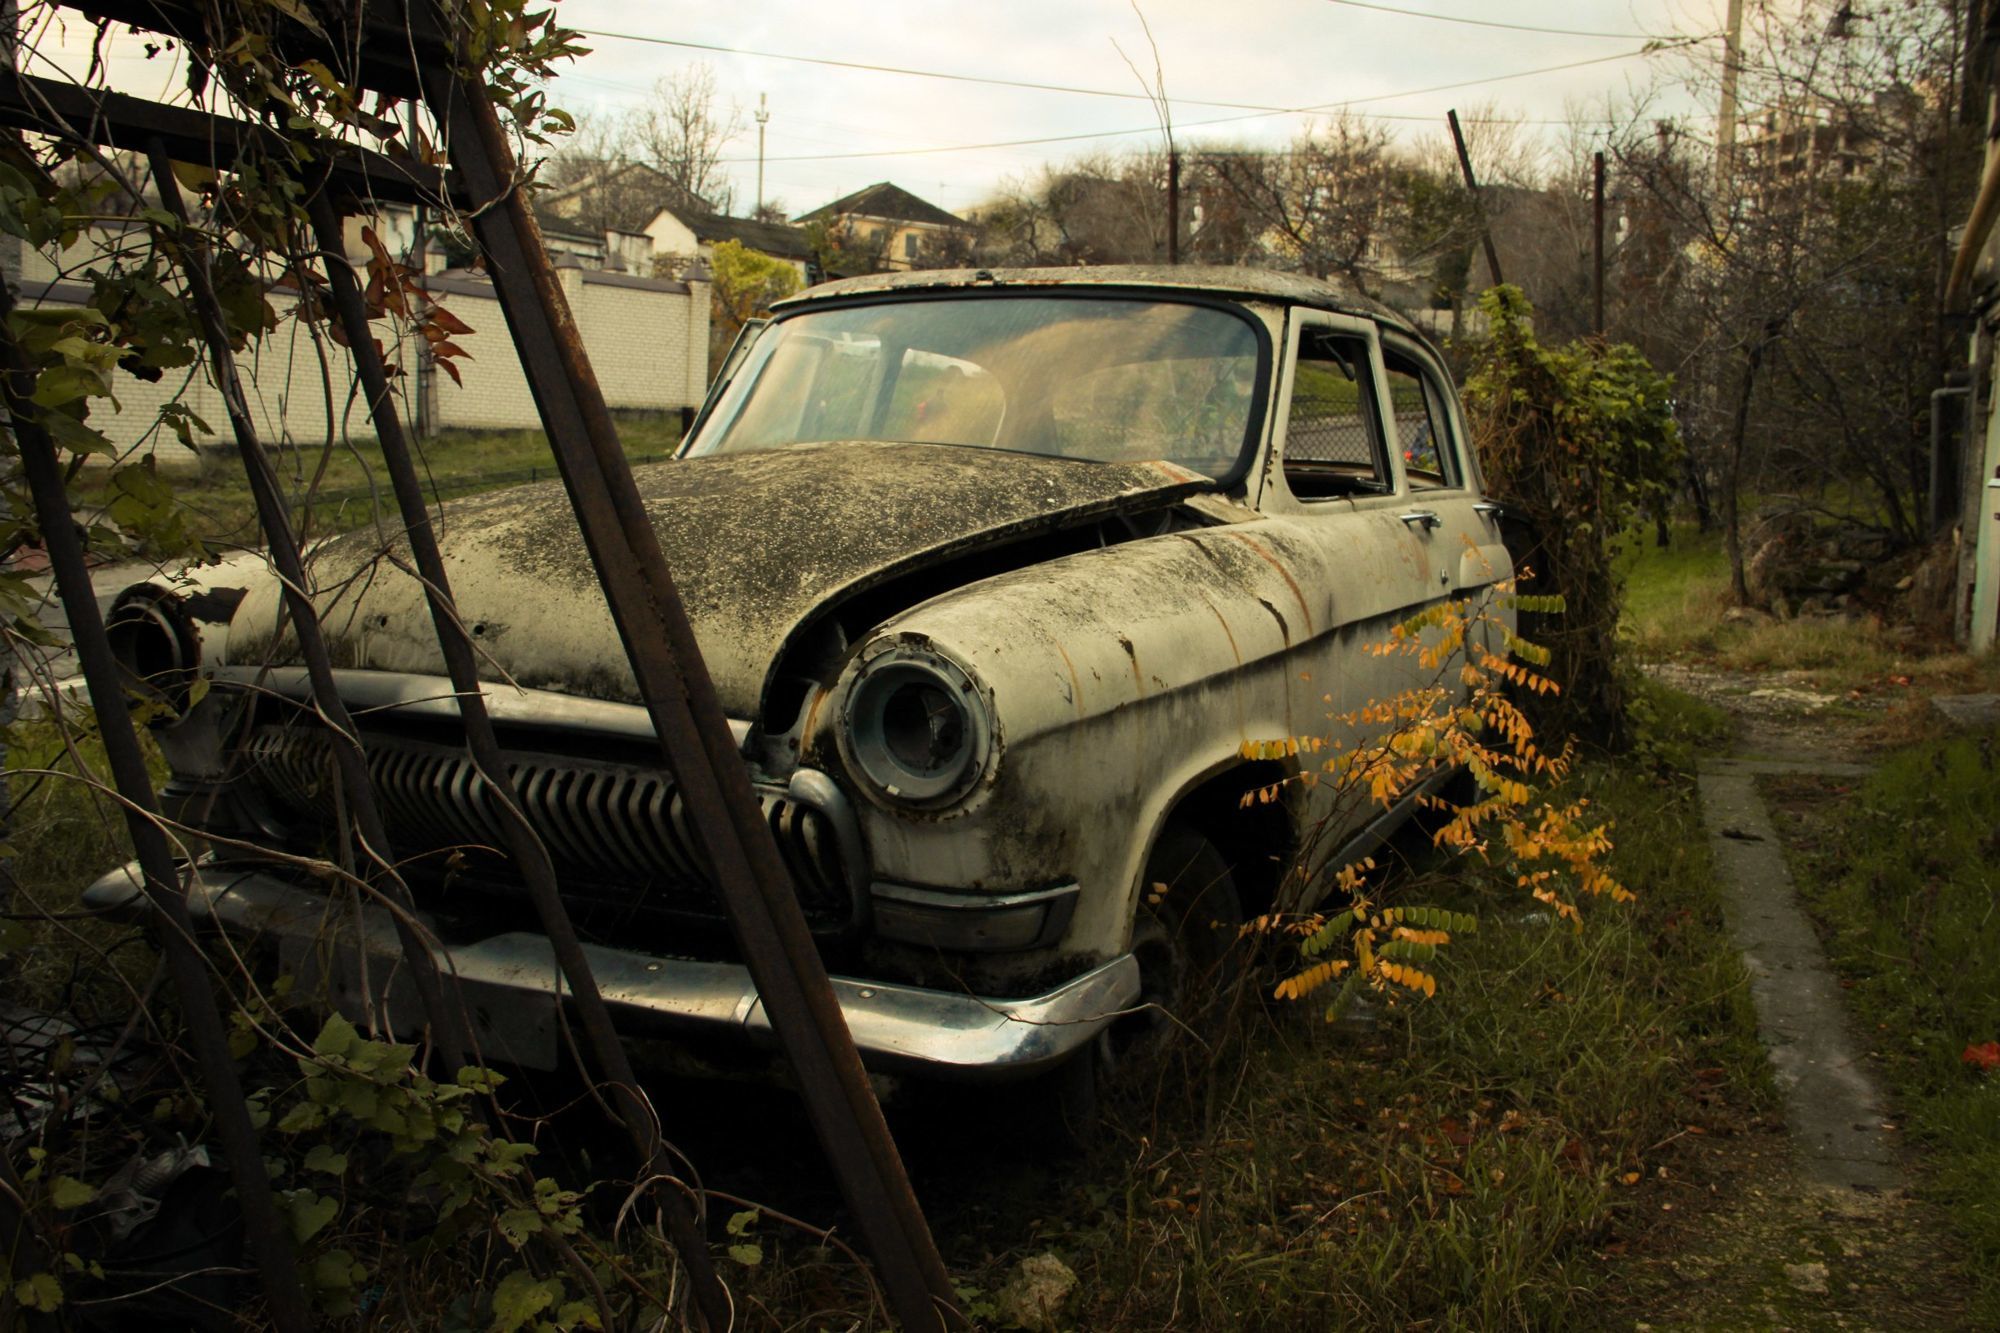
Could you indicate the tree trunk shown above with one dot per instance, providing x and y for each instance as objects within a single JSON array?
[{"x": 1732, "y": 481}]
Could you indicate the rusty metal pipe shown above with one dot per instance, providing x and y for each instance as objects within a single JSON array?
[
  {"x": 266, "y": 1232},
  {"x": 1478, "y": 200},
  {"x": 530, "y": 854},
  {"x": 666, "y": 661},
  {"x": 447, "y": 1023}
]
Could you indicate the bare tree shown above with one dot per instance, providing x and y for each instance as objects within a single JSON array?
[
  {"x": 1322, "y": 203},
  {"x": 682, "y": 131},
  {"x": 1811, "y": 251},
  {"x": 596, "y": 183}
]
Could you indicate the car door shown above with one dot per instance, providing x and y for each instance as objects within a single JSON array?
[
  {"x": 1459, "y": 529},
  {"x": 1336, "y": 487}
]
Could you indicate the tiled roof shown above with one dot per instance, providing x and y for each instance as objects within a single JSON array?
[{"x": 886, "y": 200}]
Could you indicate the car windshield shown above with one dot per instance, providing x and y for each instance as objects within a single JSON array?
[{"x": 1106, "y": 379}]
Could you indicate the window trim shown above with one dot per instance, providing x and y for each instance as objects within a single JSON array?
[
  {"x": 1305, "y": 319},
  {"x": 1438, "y": 386}
]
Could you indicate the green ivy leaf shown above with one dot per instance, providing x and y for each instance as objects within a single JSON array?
[
  {"x": 40, "y": 1292},
  {"x": 324, "y": 1158},
  {"x": 336, "y": 1038},
  {"x": 69, "y": 1192},
  {"x": 310, "y": 1214},
  {"x": 520, "y": 1297},
  {"x": 304, "y": 1116},
  {"x": 517, "y": 1224}
]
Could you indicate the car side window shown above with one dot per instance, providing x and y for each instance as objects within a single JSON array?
[
  {"x": 1333, "y": 440},
  {"x": 1422, "y": 427}
]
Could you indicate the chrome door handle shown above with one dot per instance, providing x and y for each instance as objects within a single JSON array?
[
  {"x": 1426, "y": 518},
  {"x": 1487, "y": 509}
]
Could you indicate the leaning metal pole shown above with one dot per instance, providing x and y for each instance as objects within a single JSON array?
[
  {"x": 524, "y": 845},
  {"x": 266, "y": 1233},
  {"x": 1478, "y": 202},
  {"x": 447, "y": 1021},
  {"x": 686, "y": 714}
]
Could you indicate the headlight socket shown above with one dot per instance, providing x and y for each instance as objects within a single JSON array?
[{"x": 915, "y": 727}]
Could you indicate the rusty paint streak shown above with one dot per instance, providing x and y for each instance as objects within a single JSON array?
[
  {"x": 1283, "y": 573},
  {"x": 1206, "y": 554},
  {"x": 1075, "y": 681},
  {"x": 1284, "y": 627},
  {"x": 1138, "y": 677},
  {"x": 1235, "y": 651}
]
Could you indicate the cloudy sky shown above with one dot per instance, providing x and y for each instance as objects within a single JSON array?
[
  {"x": 833, "y": 130},
  {"x": 1262, "y": 53}
]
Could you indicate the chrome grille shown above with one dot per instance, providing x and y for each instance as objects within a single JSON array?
[{"x": 603, "y": 823}]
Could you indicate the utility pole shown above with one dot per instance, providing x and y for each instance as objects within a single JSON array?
[
  {"x": 1725, "y": 128},
  {"x": 1597, "y": 279},
  {"x": 1173, "y": 206},
  {"x": 763, "y": 119}
]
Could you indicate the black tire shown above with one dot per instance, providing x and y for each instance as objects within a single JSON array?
[{"x": 1186, "y": 942}]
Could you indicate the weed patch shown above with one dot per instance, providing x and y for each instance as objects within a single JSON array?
[
  {"x": 62, "y": 834},
  {"x": 1460, "y": 1162}
]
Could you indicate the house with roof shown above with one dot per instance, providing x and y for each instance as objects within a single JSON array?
[
  {"x": 614, "y": 194},
  {"x": 895, "y": 228},
  {"x": 681, "y": 235}
]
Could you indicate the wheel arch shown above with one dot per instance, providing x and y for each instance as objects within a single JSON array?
[{"x": 1258, "y": 839}]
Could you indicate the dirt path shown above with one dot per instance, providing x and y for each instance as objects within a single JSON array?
[{"x": 1804, "y": 1220}]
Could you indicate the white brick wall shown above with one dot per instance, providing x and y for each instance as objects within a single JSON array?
[{"x": 647, "y": 340}]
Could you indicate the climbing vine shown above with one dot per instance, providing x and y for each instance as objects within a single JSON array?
[{"x": 1576, "y": 441}]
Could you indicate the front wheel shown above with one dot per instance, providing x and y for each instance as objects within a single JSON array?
[{"x": 1184, "y": 937}]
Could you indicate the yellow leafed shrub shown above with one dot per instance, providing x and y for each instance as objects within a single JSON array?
[{"x": 1461, "y": 718}]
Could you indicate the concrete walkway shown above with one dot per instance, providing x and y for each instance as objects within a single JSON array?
[{"x": 1832, "y": 1106}]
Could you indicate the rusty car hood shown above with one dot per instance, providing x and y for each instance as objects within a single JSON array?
[{"x": 756, "y": 542}]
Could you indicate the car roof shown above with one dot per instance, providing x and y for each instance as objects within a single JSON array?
[{"x": 1203, "y": 279}]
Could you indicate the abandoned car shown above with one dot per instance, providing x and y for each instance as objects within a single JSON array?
[{"x": 996, "y": 573}]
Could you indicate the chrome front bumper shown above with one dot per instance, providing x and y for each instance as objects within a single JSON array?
[{"x": 515, "y": 994}]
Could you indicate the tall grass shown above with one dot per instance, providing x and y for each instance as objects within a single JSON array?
[
  {"x": 1462, "y": 1165},
  {"x": 1906, "y": 876},
  {"x": 62, "y": 834}
]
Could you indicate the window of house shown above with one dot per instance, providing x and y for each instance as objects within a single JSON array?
[
  {"x": 1421, "y": 427},
  {"x": 909, "y": 245},
  {"x": 1333, "y": 441}
]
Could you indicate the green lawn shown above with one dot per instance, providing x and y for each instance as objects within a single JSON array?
[
  {"x": 1676, "y": 603},
  {"x": 339, "y": 489}
]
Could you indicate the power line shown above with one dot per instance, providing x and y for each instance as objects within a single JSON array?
[
  {"x": 868, "y": 68},
  {"x": 1227, "y": 120},
  {"x": 1492, "y": 23}
]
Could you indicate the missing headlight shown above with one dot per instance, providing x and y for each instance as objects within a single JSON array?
[
  {"x": 915, "y": 727},
  {"x": 157, "y": 649}
]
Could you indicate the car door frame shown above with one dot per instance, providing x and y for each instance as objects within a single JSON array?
[
  {"x": 1464, "y": 544},
  {"x": 1374, "y": 570}
]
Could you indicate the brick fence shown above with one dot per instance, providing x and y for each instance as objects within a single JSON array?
[{"x": 647, "y": 339}]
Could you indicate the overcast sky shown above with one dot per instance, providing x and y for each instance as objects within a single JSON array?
[
  {"x": 1264, "y": 53},
  {"x": 1283, "y": 53}
]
